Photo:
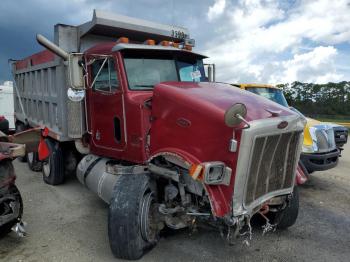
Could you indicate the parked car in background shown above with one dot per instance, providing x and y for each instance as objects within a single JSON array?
[
  {"x": 341, "y": 134},
  {"x": 319, "y": 151}
]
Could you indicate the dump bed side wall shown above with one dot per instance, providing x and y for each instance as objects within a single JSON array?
[
  {"x": 42, "y": 83},
  {"x": 42, "y": 91}
]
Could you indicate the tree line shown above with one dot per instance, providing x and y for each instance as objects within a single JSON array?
[{"x": 332, "y": 99}]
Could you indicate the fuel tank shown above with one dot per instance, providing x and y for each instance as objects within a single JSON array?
[{"x": 92, "y": 173}]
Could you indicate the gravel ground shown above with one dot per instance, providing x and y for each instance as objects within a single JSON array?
[{"x": 69, "y": 223}]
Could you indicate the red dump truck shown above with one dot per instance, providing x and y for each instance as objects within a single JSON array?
[{"x": 126, "y": 105}]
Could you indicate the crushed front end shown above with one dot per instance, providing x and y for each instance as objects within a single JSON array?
[
  {"x": 266, "y": 166},
  {"x": 223, "y": 174}
]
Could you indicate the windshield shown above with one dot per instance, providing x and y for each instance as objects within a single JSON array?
[
  {"x": 144, "y": 71},
  {"x": 273, "y": 94}
]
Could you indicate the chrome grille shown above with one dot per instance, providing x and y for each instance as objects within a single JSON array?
[{"x": 272, "y": 164}]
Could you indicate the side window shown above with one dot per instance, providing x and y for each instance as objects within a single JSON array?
[{"x": 105, "y": 78}]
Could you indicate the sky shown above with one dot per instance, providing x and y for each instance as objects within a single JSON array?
[{"x": 260, "y": 41}]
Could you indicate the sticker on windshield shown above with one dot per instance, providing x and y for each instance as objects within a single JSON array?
[{"x": 196, "y": 74}]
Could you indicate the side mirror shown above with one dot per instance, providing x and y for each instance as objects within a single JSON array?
[
  {"x": 75, "y": 71},
  {"x": 235, "y": 115}
]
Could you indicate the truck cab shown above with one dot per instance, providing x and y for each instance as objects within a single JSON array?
[
  {"x": 129, "y": 109},
  {"x": 319, "y": 150}
]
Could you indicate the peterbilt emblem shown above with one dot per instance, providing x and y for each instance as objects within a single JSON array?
[
  {"x": 282, "y": 125},
  {"x": 183, "y": 122}
]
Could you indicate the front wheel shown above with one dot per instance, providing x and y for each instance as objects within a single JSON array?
[
  {"x": 132, "y": 225},
  {"x": 288, "y": 216}
]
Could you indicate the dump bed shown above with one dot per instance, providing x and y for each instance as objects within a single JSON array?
[{"x": 40, "y": 95}]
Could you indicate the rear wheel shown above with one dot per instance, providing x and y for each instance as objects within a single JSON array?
[
  {"x": 33, "y": 161},
  {"x": 132, "y": 225},
  {"x": 19, "y": 128},
  {"x": 53, "y": 166}
]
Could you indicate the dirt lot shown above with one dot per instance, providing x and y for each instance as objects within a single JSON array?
[{"x": 68, "y": 223}]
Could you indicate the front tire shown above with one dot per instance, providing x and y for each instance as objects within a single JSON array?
[
  {"x": 288, "y": 216},
  {"x": 132, "y": 227},
  {"x": 53, "y": 166}
]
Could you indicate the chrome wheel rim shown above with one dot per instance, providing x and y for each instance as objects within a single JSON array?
[
  {"x": 148, "y": 224},
  {"x": 30, "y": 157}
]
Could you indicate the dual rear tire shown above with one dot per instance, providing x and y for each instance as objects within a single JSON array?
[
  {"x": 53, "y": 166},
  {"x": 33, "y": 162}
]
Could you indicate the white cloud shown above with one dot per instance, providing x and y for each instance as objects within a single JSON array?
[
  {"x": 262, "y": 37},
  {"x": 317, "y": 66},
  {"x": 217, "y": 9}
]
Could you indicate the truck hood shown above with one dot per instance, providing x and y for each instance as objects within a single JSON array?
[{"x": 216, "y": 98}]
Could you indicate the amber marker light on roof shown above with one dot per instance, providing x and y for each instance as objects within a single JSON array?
[{"x": 123, "y": 40}]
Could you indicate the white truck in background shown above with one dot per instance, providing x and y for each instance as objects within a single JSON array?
[{"x": 6, "y": 103}]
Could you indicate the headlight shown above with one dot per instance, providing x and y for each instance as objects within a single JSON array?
[
  {"x": 308, "y": 149},
  {"x": 216, "y": 173},
  {"x": 322, "y": 139}
]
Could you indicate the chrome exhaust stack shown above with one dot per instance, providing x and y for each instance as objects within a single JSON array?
[{"x": 42, "y": 40}]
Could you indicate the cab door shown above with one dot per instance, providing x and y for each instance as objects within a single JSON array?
[{"x": 106, "y": 106}]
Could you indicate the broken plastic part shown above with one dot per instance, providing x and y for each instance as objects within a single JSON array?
[{"x": 19, "y": 229}]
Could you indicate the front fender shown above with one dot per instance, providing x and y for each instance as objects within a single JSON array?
[{"x": 219, "y": 197}]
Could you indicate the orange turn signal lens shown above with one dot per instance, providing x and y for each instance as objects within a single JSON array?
[{"x": 196, "y": 172}]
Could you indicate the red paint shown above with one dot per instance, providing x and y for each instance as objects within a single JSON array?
[
  {"x": 300, "y": 178},
  {"x": 207, "y": 139},
  {"x": 43, "y": 150},
  {"x": 45, "y": 132},
  {"x": 36, "y": 59}
]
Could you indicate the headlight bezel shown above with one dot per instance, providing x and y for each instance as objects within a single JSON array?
[{"x": 212, "y": 178}]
